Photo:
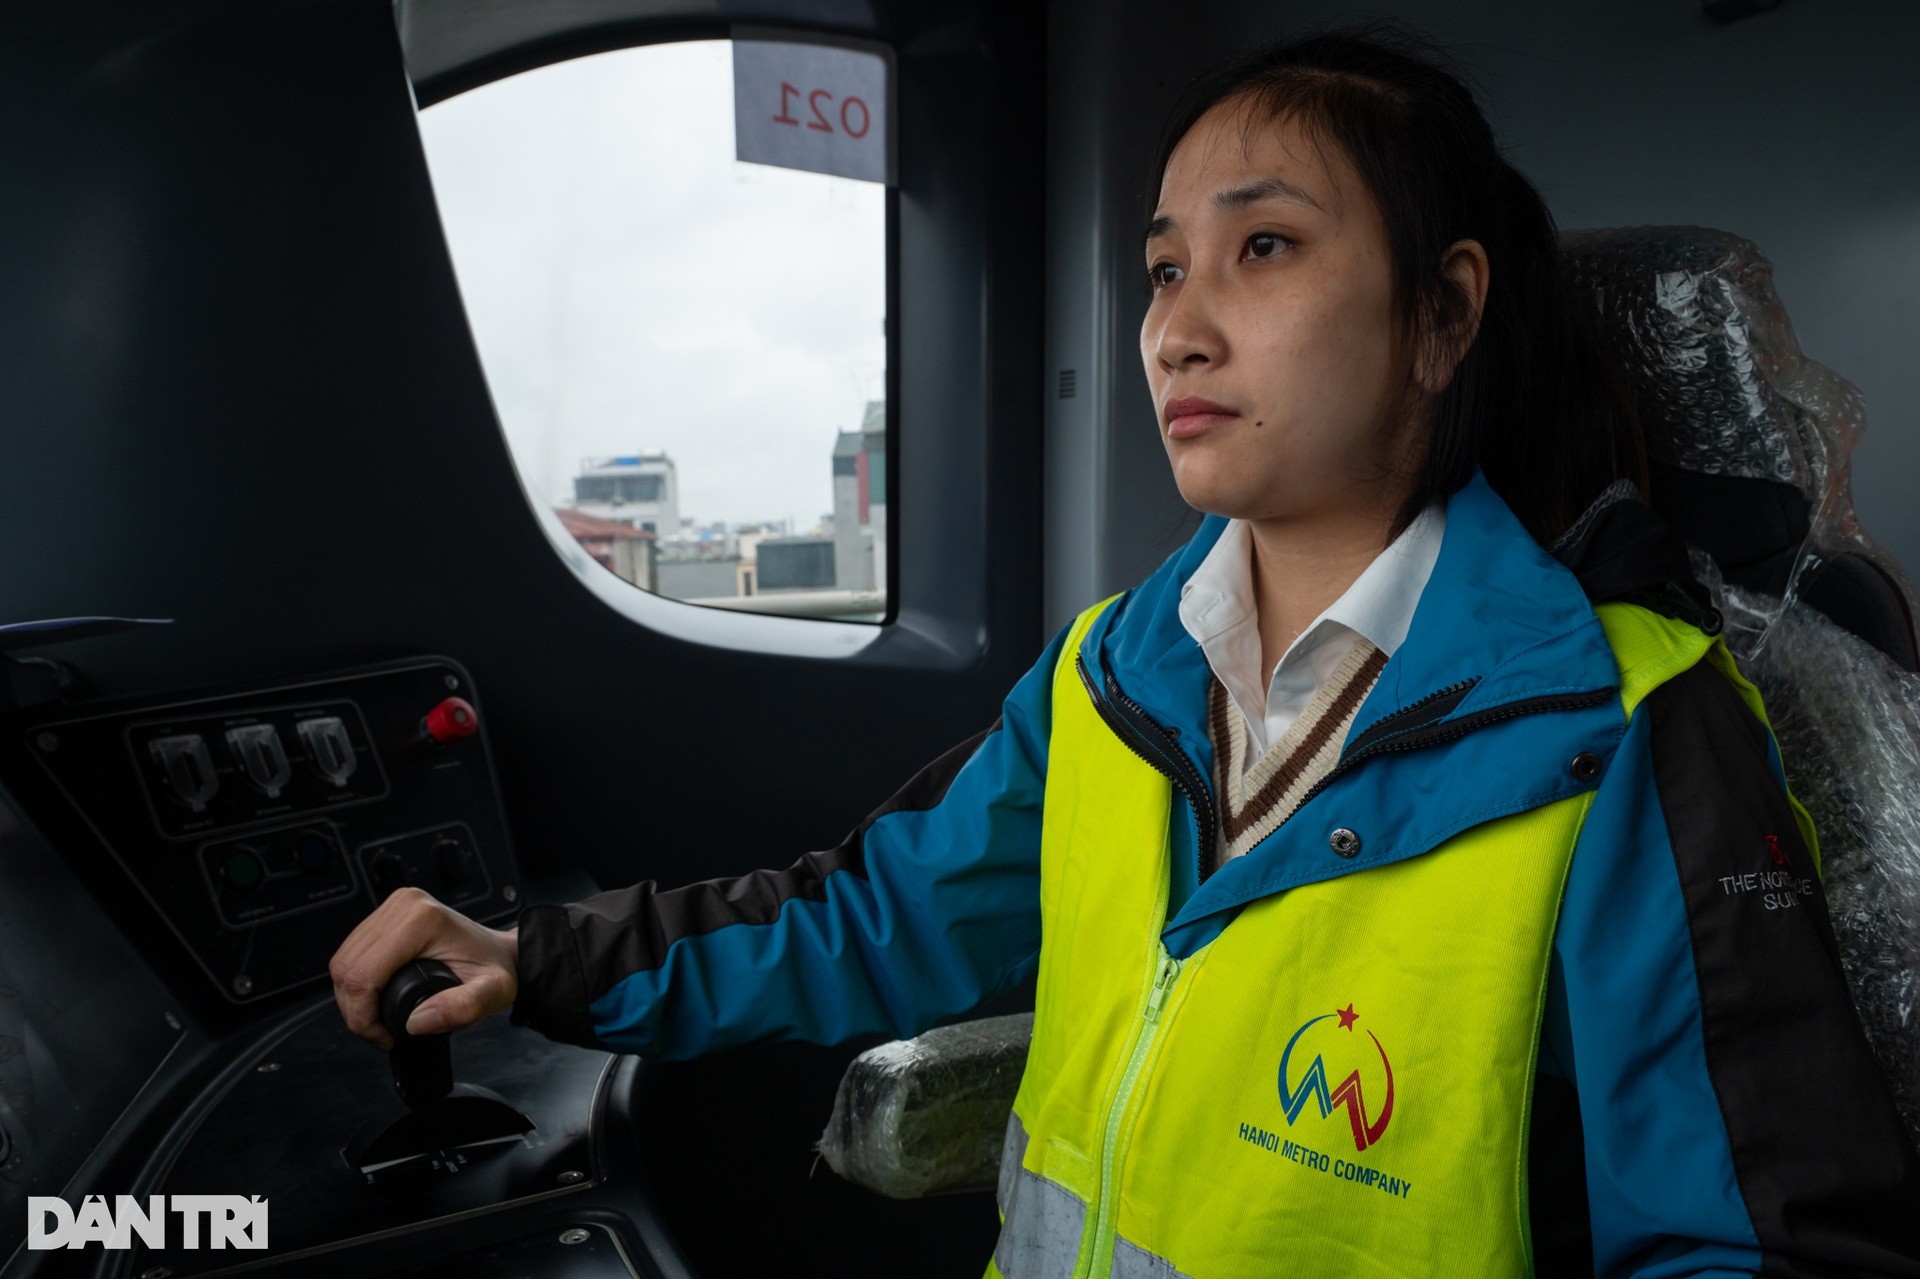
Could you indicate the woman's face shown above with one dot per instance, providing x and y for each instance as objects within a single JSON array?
[{"x": 1281, "y": 386}]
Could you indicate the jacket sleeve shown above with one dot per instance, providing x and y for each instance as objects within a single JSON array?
[
  {"x": 928, "y": 909},
  {"x": 1735, "y": 1120}
]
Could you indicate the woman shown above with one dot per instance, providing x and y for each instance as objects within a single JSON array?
[{"x": 1360, "y": 813}]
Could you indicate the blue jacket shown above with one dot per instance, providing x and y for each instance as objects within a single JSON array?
[{"x": 1702, "y": 1067}]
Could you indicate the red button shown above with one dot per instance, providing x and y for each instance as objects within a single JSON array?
[{"x": 452, "y": 720}]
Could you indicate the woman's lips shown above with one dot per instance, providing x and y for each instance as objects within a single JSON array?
[
  {"x": 1190, "y": 415},
  {"x": 1191, "y": 424}
]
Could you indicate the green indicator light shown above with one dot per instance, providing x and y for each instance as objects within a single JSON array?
[{"x": 243, "y": 869}]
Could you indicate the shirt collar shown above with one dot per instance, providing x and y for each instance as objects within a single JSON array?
[{"x": 1379, "y": 605}]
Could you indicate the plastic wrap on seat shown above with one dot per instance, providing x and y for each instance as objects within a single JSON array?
[
  {"x": 1693, "y": 316},
  {"x": 1848, "y": 723},
  {"x": 1722, "y": 386},
  {"x": 1723, "y": 389},
  {"x": 928, "y": 1115}
]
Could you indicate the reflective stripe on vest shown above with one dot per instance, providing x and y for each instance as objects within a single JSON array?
[{"x": 1336, "y": 1085}]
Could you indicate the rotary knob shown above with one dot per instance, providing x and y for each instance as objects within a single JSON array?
[
  {"x": 454, "y": 861},
  {"x": 387, "y": 872}
]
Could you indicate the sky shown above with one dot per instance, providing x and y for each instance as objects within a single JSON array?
[{"x": 633, "y": 287}]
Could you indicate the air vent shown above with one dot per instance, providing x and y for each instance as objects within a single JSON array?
[{"x": 1067, "y": 380}]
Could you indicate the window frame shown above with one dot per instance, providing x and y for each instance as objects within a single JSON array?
[{"x": 713, "y": 626}]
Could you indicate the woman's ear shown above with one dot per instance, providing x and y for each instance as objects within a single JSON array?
[{"x": 1465, "y": 266}]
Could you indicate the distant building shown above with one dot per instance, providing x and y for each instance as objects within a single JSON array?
[
  {"x": 703, "y": 542},
  {"x": 860, "y": 503},
  {"x": 625, "y": 551},
  {"x": 717, "y": 578},
  {"x": 640, "y": 490},
  {"x": 795, "y": 564},
  {"x": 626, "y": 514}
]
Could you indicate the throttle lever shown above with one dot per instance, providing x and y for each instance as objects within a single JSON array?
[
  {"x": 422, "y": 1064},
  {"x": 440, "y": 1115}
]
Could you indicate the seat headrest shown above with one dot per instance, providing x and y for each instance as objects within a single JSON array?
[
  {"x": 1723, "y": 388},
  {"x": 1749, "y": 441}
]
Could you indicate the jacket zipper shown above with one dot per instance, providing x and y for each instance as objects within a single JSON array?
[
  {"x": 1146, "y": 738},
  {"x": 1154, "y": 744},
  {"x": 1097, "y": 1260},
  {"x": 1453, "y": 730},
  {"x": 1452, "y": 694}
]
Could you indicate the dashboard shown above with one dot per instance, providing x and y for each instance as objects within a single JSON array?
[{"x": 176, "y": 871}]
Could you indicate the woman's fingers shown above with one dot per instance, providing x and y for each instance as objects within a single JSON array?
[
  {"x": 401, "y": 928},
  {"x": 481, "y": 995}
]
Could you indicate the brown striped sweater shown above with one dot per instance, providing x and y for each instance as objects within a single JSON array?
[{"x": 1255, "y": 799}]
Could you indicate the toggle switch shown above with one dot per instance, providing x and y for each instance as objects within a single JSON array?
[
  {"x": 328, "y": 745},
  {"x": 258, "y": 748},
  {"x": 189, "y": 768}
]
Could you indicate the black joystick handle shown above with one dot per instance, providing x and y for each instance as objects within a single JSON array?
[
  {"x": 422, "y": 1064},
  {"x": 440, "y": 1115}
]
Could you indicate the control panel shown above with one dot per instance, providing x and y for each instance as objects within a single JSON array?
[{"x": 263, "y": 823}]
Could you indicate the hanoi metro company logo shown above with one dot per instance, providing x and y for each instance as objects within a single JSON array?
[
  {"x": 1302, "y": 1080},
  {"x": 1313, "y": 1084}
]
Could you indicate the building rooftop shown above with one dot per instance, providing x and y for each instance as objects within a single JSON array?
[
  {"x": 625, "y": 462},
  {"x": 581, "y": 526}
]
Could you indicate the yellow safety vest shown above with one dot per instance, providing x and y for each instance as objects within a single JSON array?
[{"x": 1337, "y": 1085}]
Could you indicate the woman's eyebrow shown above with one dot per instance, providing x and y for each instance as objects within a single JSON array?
[
  {"x": 1262, "y": 189},
  {"x": 1268, "y": 188}
]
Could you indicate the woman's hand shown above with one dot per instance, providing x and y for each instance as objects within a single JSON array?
[{"x": 409, "y": 925}]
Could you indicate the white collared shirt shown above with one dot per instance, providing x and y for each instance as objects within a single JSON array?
[{"x": 1216, "y": 607}]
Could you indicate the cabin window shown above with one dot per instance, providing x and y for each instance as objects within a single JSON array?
[{"x": 687, "y": 351}]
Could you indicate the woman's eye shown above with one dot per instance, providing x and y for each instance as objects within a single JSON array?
[
  {"x": 1264, "y": 244},
  {"x": 1161, "y": 274}
]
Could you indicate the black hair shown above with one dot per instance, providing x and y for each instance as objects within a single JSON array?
[{"x": 1534, "y": 401}]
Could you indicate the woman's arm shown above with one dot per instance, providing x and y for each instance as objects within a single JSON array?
[
  {"x": 1735, "y": 1120},
  {"x": 928, "y": 909}
]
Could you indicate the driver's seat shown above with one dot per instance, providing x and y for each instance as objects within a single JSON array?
[{"x": 1750, "y": 445}]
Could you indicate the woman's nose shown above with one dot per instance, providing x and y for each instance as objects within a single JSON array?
[{"x": 1188, "y": 334}]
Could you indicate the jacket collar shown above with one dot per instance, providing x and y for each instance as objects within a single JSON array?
[
  {"x": 1500, "y": 623},
  {"x": 1498, "y": 609}
]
